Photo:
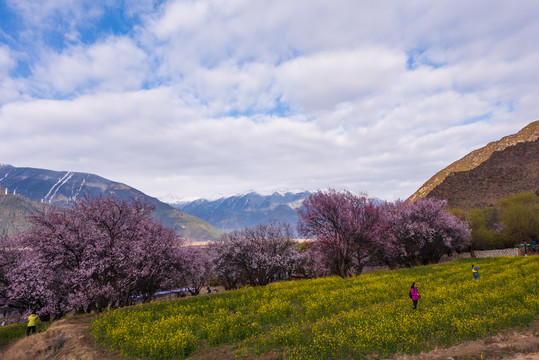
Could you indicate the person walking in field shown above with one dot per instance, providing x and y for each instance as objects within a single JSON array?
[
  {"x": 31, "y": 324},
  {"x": 414, "y": 294},
  {"x": 475, "y": 272}
]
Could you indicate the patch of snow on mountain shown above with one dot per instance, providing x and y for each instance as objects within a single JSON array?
[{"x": 58, "y": 185}]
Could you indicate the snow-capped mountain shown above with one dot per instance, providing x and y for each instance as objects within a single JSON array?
[
  {"x": 236, "y": 212},
  {"x": 60, "y": 188}
]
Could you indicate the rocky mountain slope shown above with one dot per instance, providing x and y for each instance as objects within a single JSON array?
[
  {"x": 237, "y": 212},
  {"x": 481, "y": 178},
  {"x": 60, "y": 188}
]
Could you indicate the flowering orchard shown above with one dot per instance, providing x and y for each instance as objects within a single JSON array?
[
  {"x": 100, "y": 252},
  {"x": 338, "y": 318},
  {"x": 352, "y": 230},
  {"x": 104, "y": 252}
]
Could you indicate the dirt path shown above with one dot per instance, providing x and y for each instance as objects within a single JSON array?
[
  {"x": 508, "y": 344},
  {"x": 67, "y": 339},
  {"x": 70, "y": 339}
]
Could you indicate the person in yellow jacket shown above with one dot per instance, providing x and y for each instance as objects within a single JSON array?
[
  {"x": 32, "y": 319},
  {"x": 475, "y": 272}
]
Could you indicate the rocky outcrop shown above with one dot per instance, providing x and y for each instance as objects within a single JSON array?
[
  {"x": 512, "y": 170},
  {"x": 474, "y": 159}
]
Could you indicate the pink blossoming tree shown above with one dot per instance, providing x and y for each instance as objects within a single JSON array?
[
  {"x": 310, "y": 262},
  {"x": 255, "y": 255},
  {"x": 347, "y": 228},
  {"x": 193, "y": 267},
  {"x": 9, "y": 258},
  {"x": 100, "y": 252},
  {"x": 350, "y": 231},
  {"x": 423, "y": 231}
]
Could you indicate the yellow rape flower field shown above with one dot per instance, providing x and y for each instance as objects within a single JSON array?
[{"x": 334, "y": 318}]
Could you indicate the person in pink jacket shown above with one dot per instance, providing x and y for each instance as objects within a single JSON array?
[{"x": 414, "y": 294}]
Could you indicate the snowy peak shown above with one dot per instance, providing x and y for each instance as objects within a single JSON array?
[
  {"x": 237, "y": 212},
  {"x": 52, "y": 187},
  {"x": 62, "y": 188}
]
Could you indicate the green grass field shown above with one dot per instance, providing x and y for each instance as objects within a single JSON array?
[
  {"x": 15, "y": 331},
  {"x": 336, "y": 318}
]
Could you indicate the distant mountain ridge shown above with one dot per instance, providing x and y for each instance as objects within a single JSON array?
[
  {"x": 60, "y": 188},
  {"x": 481, "y": 178},
  {"x": 237, "y": 212}
]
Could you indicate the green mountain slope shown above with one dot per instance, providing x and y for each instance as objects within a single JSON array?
[
  {"x": 191, "y": 227},
  {"x": 61, "y": 188},
  {"x": 14, "y": 210}
]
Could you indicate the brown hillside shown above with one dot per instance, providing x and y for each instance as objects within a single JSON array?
[
  {"x": 471, "y": 161},
  {"x": 512, "y": 170}
]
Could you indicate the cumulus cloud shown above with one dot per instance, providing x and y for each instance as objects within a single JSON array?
[
  {"x": 180, "y": 16},
  {"x": 11, "y": 88},
  {"x": 206, "y": 98},
  {"x": 323, "y": 80},
  {"x": 229, "y": 87},
  {"x": 111, "y": 65}
]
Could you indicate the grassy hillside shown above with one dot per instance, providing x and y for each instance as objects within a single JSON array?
[
  {"x": 14, "y": 210},
  {"x": 191, "y": 227},
  {"x": 336, "y": 318}
]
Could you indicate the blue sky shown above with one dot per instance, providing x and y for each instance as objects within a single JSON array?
[{"x": 208, "y": 98}]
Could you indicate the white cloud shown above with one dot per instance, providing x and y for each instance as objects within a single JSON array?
[
  {"x": 38, "y": 19},
  {"x": 180, "y": 16},
  {"x": 9, "y": 87},
  {"x": 42, "y": 12},
  {"x": 217, "y": 97},
  {"x": 323, "y": 80},
  {"x": 229, "y": 87},
  {"x": 7, "y": 62},
  {"x": 112, "y": 65}
]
